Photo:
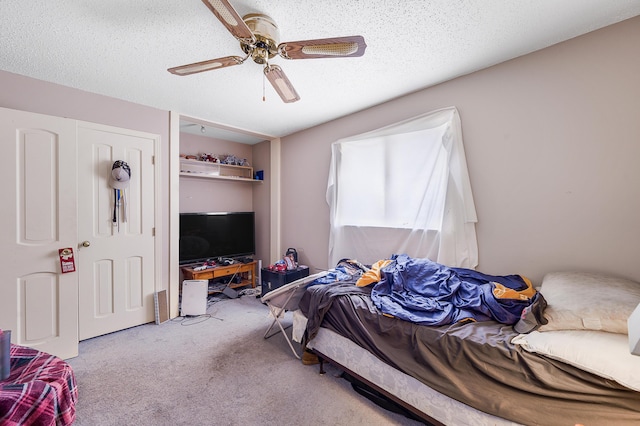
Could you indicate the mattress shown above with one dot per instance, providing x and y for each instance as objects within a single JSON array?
[
  {"x": 475, "y": 364},
  {"x": 430, "y": 403}
]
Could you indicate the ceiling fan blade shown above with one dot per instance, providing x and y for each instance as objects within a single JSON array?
[
  {"x": 230, "y": 19},
  {"x": 212, "y": 64},
  {"x": 281, "y": 83},
  {"x": 338, "y": 47}
]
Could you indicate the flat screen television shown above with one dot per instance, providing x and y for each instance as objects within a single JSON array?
[{"x": 206, "y": 236}]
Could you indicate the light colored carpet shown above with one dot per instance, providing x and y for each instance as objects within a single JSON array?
[{"x": 212, "y": 371}]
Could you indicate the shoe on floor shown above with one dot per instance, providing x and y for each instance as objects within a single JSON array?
[{"x": 309, "y": 358}]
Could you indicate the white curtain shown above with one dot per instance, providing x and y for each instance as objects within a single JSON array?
[{"x": 403, "y": 189}]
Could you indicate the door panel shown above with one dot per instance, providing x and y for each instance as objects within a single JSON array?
[
  {"x": 135, "y": 283},
  {"x": 37, "y": 302},
  {"x": 117, "y": 269},
  {"x": 38, "y": 295},
  {"x": 103, "y": 285}
]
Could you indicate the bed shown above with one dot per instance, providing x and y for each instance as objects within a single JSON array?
[{"x": 572, "y": 366}]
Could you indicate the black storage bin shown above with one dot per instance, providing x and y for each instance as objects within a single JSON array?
[{"x": 272, "y": 279}]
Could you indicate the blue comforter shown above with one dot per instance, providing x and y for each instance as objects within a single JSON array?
[{"x": 428, "y": 293}]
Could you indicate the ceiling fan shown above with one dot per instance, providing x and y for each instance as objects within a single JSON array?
[{"x": 259, "y": 39}]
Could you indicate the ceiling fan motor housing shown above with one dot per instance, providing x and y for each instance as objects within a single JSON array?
[{"x": 267, "y": 37}]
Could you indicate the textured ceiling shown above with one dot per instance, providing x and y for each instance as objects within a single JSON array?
[{"x": 122, "y": 48}]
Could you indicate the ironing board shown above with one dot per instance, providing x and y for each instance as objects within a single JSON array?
[{"x": 286, "y": 298}]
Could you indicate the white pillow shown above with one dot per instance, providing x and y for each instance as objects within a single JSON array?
[
  {"x": 604, "y": 354},
  {"x": 586, "y": 301}
]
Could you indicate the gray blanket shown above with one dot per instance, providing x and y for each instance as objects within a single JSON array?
[{"x": 474, "y": 363}]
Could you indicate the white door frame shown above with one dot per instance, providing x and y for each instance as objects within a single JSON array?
[
  {"x": 174, "y": 214},
  {"x": 174, "y": 197},
  {"x": 157, "y": 217}
]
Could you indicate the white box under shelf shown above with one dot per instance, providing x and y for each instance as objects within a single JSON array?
[
  {"x": 199, "y": 167},
  {"x": 215, "y": 170}
]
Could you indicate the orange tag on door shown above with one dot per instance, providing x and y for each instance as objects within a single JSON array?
[{"x": 67, "y": 262}]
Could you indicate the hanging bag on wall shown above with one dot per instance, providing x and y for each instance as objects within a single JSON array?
[{"x": 119, "y": 181}]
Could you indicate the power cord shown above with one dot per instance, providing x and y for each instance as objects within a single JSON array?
[{"x": 195, "y": 319}]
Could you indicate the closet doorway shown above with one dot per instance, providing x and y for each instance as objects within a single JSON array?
[{"x": 57, "y": 196}]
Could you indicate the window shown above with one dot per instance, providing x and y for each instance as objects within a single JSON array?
[{"x": 403, "y": 189}]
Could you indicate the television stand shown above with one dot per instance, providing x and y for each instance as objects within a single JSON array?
[{"x": 246, "y": 271}]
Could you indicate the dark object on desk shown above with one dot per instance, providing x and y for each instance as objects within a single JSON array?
[{"x": 273, "y": 279}]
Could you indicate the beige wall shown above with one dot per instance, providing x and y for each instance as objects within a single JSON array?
[
  {"x": 552, "y": 141},
  {"x": 553, "y": 147},
  {"x": 214, "y": 195},
  {"x": 28, "y": 94}
]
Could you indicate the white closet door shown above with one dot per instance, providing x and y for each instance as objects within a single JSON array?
[
  {"x": 38, "y": 303},
  {"x": 117, "y": 268}
]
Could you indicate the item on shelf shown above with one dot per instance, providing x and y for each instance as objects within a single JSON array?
[
  {"x": 229, "y": 159},
  {"x": 199, "y": 167},
  {"x": 279, "y": 266},
  {"x": 290, "y": 262},
  {"x": 205, "y": 265},
  {"x": 232, "y": 160},
  {"x": 209, "y": 158}
]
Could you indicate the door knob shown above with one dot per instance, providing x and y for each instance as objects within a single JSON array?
[{"x": 86, "y": 244}]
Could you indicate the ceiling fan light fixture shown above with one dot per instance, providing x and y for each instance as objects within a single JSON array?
[{"x": 281, "y": 83}]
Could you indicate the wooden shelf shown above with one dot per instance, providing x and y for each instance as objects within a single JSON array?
[
  {"x": 247, "y": 271},
  {"x": 232, "y": 178},
  {"x": 206, "y": 170}
]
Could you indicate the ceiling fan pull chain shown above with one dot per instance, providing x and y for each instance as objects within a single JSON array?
[{"x": 264, "y": 97}]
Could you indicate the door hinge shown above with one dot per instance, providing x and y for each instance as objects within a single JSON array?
[
  {"x": 153, "y": 160},
  {"x": 153, "y": 232}
]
